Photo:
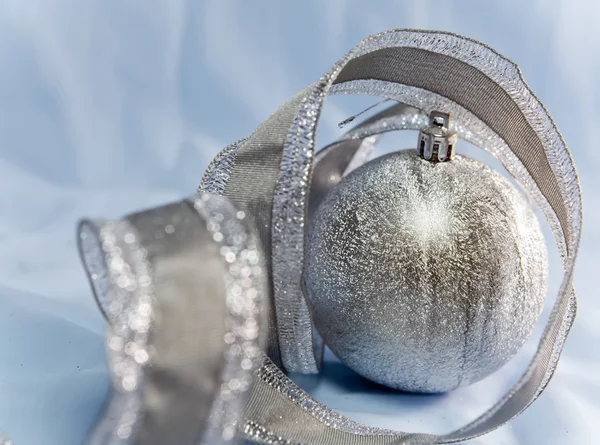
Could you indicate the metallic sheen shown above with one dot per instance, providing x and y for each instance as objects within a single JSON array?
[
  {"x": 532, "y": 176},
  {"x": 425, "y": 277},
  {"x": 437, "y": 142},
  {"x": 124, "y": 278},
  {"x": 246, "y": 285}
]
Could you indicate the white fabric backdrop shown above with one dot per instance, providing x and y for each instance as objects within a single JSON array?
[{"x": 107, "y": 107}]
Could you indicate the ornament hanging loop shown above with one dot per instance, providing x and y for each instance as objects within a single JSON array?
[{"x": 437, "y": 142}]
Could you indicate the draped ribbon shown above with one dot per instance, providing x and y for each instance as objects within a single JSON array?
[
  {"x": 487, "y": 96},
  {"x": 182, "y": 286},
  {"x": 270, "y": 177}
]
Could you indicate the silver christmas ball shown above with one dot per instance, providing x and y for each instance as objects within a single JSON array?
[{"x": 425, "y": 276}]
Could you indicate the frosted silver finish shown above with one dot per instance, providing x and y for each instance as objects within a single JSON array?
[{"x": 425, "y": 277}]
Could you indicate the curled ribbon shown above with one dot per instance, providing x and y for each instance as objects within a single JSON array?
[
  {"x": 275, "y": 179},
  {"x": 182, "y": 286}
]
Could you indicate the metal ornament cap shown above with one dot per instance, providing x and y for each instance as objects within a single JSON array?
[
  {"x": 437, "y": 143},
  {"x": 425, "y": 276}
]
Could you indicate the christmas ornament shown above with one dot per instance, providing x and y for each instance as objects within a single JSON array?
[
  {"x": 269, "y": 177},
  {"x": 425, "y": 276}
]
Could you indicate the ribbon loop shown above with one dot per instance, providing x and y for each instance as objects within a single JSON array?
[
  {"x": 182, "y": 288},
  {"x": 192, "y": 254},
  {"x": 491, "y": 106}
]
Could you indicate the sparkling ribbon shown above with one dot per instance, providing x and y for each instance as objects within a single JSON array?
[
  {"x": 182, "y": 286},
  {"x": 271, "y": 174}
]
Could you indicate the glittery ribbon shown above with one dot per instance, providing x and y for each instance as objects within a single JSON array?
[
  {"x": 182, "y": 286},
  {"x": 271, "y": 175},
  {"x": 493, "y": 108}
]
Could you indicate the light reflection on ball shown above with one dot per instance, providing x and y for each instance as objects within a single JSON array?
[{"x": 425, "y": 277}]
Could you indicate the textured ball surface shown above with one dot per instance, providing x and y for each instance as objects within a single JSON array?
[{"x": 425, "y": 277}]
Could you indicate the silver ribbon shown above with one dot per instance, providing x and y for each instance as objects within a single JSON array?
[
  {"x": 269, "y": 176},
  {"x": 182, "y": 286},
  {"x": 491, "y": 106},
  {"x": 300, "y": 348}
]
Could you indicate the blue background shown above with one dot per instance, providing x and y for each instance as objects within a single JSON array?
[{"x": 111, "y": 106}]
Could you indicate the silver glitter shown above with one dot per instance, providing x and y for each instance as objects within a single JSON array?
[
  {"x": 414, "y": 121},
  {"x": 504, "y": 72},
  {"x": 258, "y": 434},
  {"x": 91, "y": 252},
  {"x": 127, "y": 301},
  {"x": 425, "y": 277},
  {"x": 301, "y": 351},
  {"x": 270, "y": 374},
  {"x": 508, "y": 75},
  {"x": 289, "y": 218},
  {"x": 217, "y": 173},
  {"x": 246, "y": 288},
  {"x": 468, "y": 127},
  {"x": 129, "y": 310},
  {"x": 289, "y": 204}
]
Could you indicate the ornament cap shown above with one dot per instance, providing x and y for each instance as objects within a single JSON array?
[{"x": 437, "y": 142}]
